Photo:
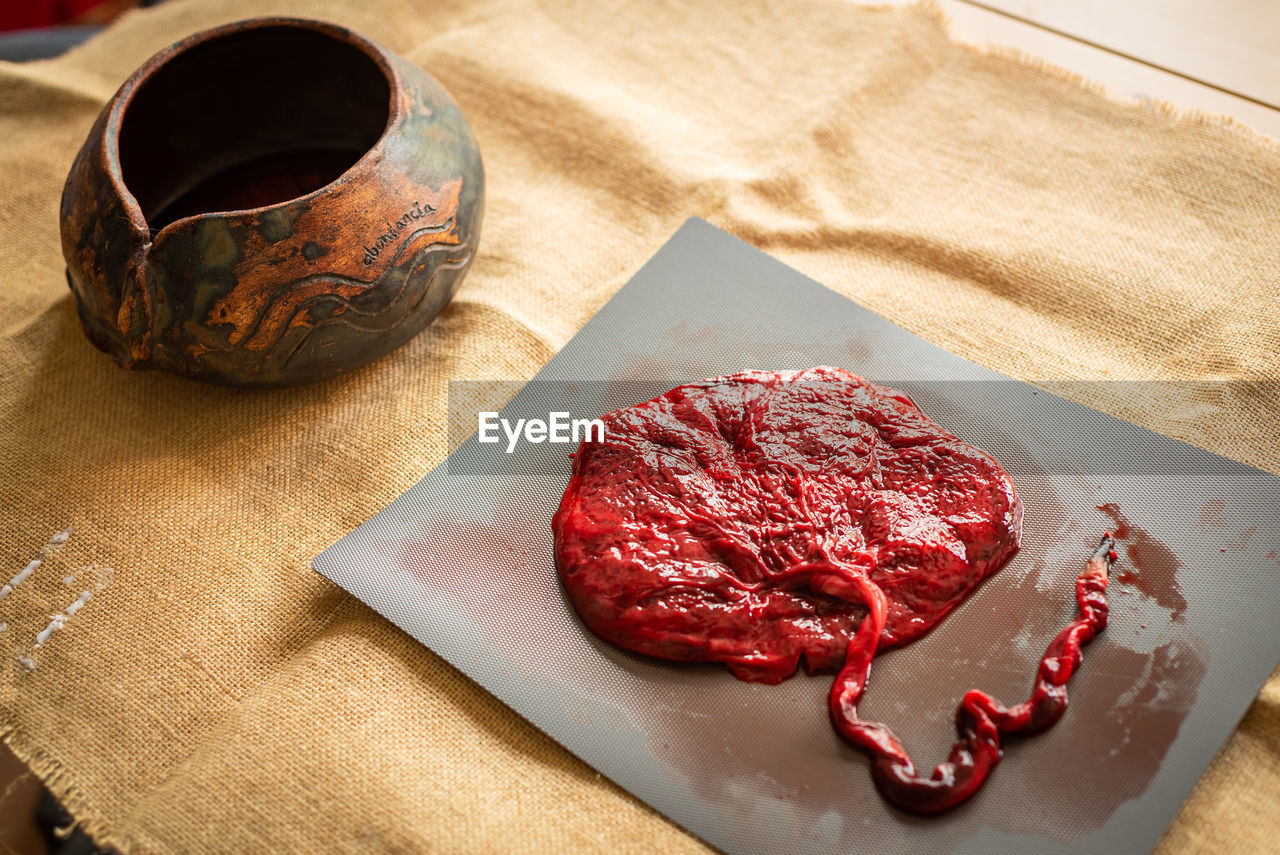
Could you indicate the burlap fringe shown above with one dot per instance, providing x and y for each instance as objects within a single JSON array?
[{"x": 56, "y": 779}]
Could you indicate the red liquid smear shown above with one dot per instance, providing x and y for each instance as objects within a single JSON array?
[
  {"x": 1241, "y": 541},
  {"x": 1154, "y": 566},
  {"x": 1211, "y": 514}
]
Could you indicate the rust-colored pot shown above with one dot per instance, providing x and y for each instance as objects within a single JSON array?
[{"x": 271, "y": 202}]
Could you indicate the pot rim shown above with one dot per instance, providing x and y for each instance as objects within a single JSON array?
[{"x": 124, "y": 97}]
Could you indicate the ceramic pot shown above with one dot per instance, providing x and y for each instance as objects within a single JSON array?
[{"x": 271, "y": 202}]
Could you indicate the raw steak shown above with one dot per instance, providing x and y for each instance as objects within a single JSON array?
[{"x": 712, "y": 521}]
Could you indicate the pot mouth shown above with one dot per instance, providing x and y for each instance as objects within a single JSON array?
[{"x": 246, "y": 118}]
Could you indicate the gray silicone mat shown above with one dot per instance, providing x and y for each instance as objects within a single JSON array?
[{"x": 463, "y": 562}]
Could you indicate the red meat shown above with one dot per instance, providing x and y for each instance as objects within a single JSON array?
[{"x": 737, "y": 520}]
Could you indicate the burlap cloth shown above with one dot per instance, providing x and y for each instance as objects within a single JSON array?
[{"x": 219, "y": 695}]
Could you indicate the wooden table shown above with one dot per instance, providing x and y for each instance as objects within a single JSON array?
[{"x": 1222, "y": 57}]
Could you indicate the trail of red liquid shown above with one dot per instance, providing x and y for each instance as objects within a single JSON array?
[{"x": 980, "y": 719}]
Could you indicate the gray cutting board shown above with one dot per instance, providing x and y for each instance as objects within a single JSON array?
[{"x": 463, "y": 562}]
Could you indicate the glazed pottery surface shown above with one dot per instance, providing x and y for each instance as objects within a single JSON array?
[{"x": 271, "y": 202}]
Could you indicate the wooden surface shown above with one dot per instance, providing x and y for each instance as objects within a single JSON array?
[
  {"x": 20, "y": 794},
  {"x": 1221, "y": 57},
  {"x": 1231, "y": 44}
]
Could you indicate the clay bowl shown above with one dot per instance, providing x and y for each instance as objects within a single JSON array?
[{"x": 271, "y": 202}]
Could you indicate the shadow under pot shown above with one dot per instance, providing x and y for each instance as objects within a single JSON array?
[{"x": 269, "y": 203}]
